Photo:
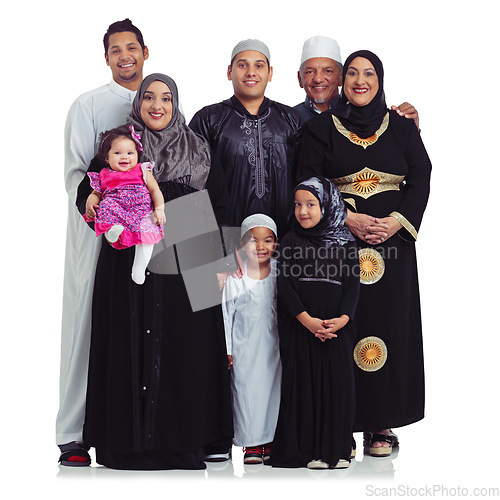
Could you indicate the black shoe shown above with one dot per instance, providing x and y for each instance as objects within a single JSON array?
[
  {"x": 74, "y": 454},
  {"x": 383, "y": 451},
  {"x": 353, "y": 449},
  {"x": 221, "y": 456}
]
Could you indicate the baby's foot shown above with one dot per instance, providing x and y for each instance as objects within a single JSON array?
[
  {"x": 138, "y": 276},
  {"x": 114, "y": 232},
  {"x": 141, "y": 259}
]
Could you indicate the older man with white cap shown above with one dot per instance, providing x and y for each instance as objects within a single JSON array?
[{"x": 320, "y": 75}]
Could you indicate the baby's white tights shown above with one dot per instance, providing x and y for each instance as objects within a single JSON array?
[
  {"x": 141, "y": 260},
  {"x": 142, "y": 254}
]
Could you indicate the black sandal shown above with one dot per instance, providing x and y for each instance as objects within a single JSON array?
[
  {"x": 74, "y": 455},
  {"x": 382, "y": 451}
]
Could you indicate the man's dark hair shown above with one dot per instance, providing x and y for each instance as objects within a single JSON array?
[{"x": 120, "y": 27}]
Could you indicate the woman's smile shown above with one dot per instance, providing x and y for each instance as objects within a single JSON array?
[
  {"x": 156, "y": 106},
  {"x": 361, "y": 82}
]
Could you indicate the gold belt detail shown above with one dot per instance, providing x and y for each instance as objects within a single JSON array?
[{"x": 368, "y": 182}]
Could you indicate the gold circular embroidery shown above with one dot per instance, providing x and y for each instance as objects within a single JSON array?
[
  {"x": 365, "y": 182},
  {"x": 371, "y": 266},
  {"x": 370, "y": 354}
]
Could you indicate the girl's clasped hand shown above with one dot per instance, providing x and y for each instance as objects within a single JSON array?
[{"x": 323, "y": 329}]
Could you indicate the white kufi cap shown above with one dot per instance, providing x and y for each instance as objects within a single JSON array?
[
  {"x": 258, "y": 220},
  {"x": 321, "y": 46}
]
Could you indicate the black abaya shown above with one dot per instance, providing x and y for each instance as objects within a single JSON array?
[
  {"x": 317, "y": 395},
  {"x": 385, "y": 175},
  {"x": 158, "y": 386}
]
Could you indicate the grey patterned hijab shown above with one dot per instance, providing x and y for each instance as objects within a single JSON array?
[
  {"x": 330, "y": 230},
  {"x": 178, "y": 153}
]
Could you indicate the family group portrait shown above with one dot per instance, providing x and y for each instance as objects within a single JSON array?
[{"x": 259, "y": 267}]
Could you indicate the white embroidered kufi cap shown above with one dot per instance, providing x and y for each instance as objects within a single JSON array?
[
  {"x": 251, "y": 44},
  {"x": 258, "y": 220},
  {"x": 321, "y": 46}
]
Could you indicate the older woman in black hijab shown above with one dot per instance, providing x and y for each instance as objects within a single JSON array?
[
  {"x": 158, "y": 387},
  {"x": 378, "y": 161}
]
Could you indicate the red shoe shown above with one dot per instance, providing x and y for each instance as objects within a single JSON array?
[
  {"x": 253, "y": 455},
  {"x": 267, "y": 452}
]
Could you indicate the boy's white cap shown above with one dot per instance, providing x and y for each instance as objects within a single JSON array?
[
  {"x": 321, "y": 46},
  {"x": 258, "y": 220}
]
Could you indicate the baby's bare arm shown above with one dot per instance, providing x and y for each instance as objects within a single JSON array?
[
  {"x": 92, "y": 203},
  {"x": 157, "y": 197}
]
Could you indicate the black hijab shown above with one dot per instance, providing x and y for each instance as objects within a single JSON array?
[
  {"x": 364, "y": 121},
  {"x": 330, "y": 230},
  {"x": 177, "y": 152}
]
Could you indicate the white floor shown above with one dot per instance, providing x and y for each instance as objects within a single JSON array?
[
  {"x": 362, "y": 467},
  {"x": 420, "y": 467}
]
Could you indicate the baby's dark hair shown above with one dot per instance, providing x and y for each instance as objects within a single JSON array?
[{"x": 106, "y": 140}]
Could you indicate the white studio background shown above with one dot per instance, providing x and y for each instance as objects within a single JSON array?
[{"x": 442, "y": 56}]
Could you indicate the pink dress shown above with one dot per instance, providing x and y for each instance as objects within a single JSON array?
[{"x": 126, "y": 201}]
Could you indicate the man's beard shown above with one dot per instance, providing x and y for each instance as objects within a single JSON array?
[{"x": 128, "y": 77}]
